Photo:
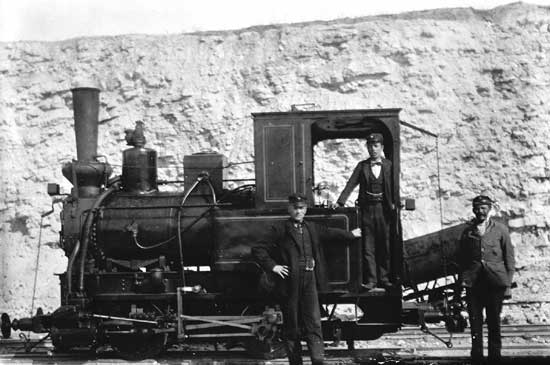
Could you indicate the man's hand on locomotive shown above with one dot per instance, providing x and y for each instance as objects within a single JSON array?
[
  {"x": 356, "y": 232},
  {"x": 336, "y": 205},
  {"x": 281, "y": 270}
]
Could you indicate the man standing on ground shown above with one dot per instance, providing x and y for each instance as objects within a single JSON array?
[
  {"x": 487, "y": 266},
  {"x": 374, "y": 177},
  {"x": 294, "y": 253}
]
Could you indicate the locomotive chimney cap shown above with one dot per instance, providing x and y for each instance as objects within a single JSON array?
[{"x": 91, "y": 88}]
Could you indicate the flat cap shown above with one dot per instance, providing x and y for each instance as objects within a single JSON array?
[
  {"x": 482, "y": 200},
  {"x": 375, "y": 138},
  {"x": 297, "y": 198}
]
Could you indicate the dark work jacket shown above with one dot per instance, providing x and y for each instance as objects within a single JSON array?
[
  {"x": 491, "y": 254},
  {"x": 283, "y": 248},
  {"x": 361, "y": 175}
]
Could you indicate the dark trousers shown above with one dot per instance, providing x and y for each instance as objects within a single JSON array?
[
  {"x": 302, "y": 310},
  {"x": 482, "y": 295},
  {"x": 375, "y": 235}
]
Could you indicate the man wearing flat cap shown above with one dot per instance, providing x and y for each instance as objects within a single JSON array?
[
  {"x": 294, "y": 253},
  {"x": 374, "y": 177},
  {"x": 486, "y": 261}
]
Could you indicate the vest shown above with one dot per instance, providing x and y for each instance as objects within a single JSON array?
[
  {"x": 375, "y": 186},
  {"x": 304, "y": 240}
]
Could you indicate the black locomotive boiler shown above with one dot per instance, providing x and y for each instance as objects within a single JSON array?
[{"x": 148, "y": 268}]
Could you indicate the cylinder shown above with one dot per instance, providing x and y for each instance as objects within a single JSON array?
[{"x": 86, "y": 112}]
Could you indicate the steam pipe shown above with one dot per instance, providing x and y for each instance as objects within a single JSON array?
[
  {"x": 70, "y": 265},
  {"x": 180, "y": 242},
  {"x": 87, "y": 229}
]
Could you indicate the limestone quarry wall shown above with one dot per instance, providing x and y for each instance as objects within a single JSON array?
[{"x": 479, "y": 79}]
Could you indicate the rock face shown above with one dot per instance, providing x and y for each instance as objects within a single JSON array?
[{"x": 478, "y": 79}]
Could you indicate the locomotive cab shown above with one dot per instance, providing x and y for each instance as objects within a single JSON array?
[
  {"x": 285, "y": 164},
  {"x": 284, "y": 150}
]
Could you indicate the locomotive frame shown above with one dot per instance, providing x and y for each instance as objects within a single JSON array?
[{"x": 122, "y": 290}]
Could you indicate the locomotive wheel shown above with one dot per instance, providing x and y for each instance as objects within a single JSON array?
[
  {"x": 59, "y": 345},
  {"x": 59, "y": 349},
  {"x": 267, "y": 350},
  {"x": 6, "y": 325},
  {"x": 135, "y": 347}
]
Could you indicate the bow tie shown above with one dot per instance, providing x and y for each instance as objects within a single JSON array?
[
  {"x": 298, "y": 224},
  {"x": 374, "y": 163}
]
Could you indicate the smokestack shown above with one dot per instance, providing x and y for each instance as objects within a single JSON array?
[
  {"x": 86, "y": 113},
  {"x": 86, "y": 173}
]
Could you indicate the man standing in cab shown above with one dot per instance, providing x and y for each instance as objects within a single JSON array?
[
  {"x": 293, "y": 251},
  {"x": 486, "y": 259},
  {"x": 374, "y": 177}
]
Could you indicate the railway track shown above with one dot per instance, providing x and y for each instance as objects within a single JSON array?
[
  {"x": 521, "y": 344},
  {"x": 507, "y": 331}
]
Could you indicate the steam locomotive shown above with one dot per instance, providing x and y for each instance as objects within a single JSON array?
[{"x": 149, "y": 268}]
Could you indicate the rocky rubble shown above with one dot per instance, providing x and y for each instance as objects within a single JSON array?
[{"x": 478, "y": 79}]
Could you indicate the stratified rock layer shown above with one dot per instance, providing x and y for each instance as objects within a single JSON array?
[{"x": 479, "y": 79}]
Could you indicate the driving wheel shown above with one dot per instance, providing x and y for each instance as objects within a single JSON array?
[{"x": 135, "y": 347}]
